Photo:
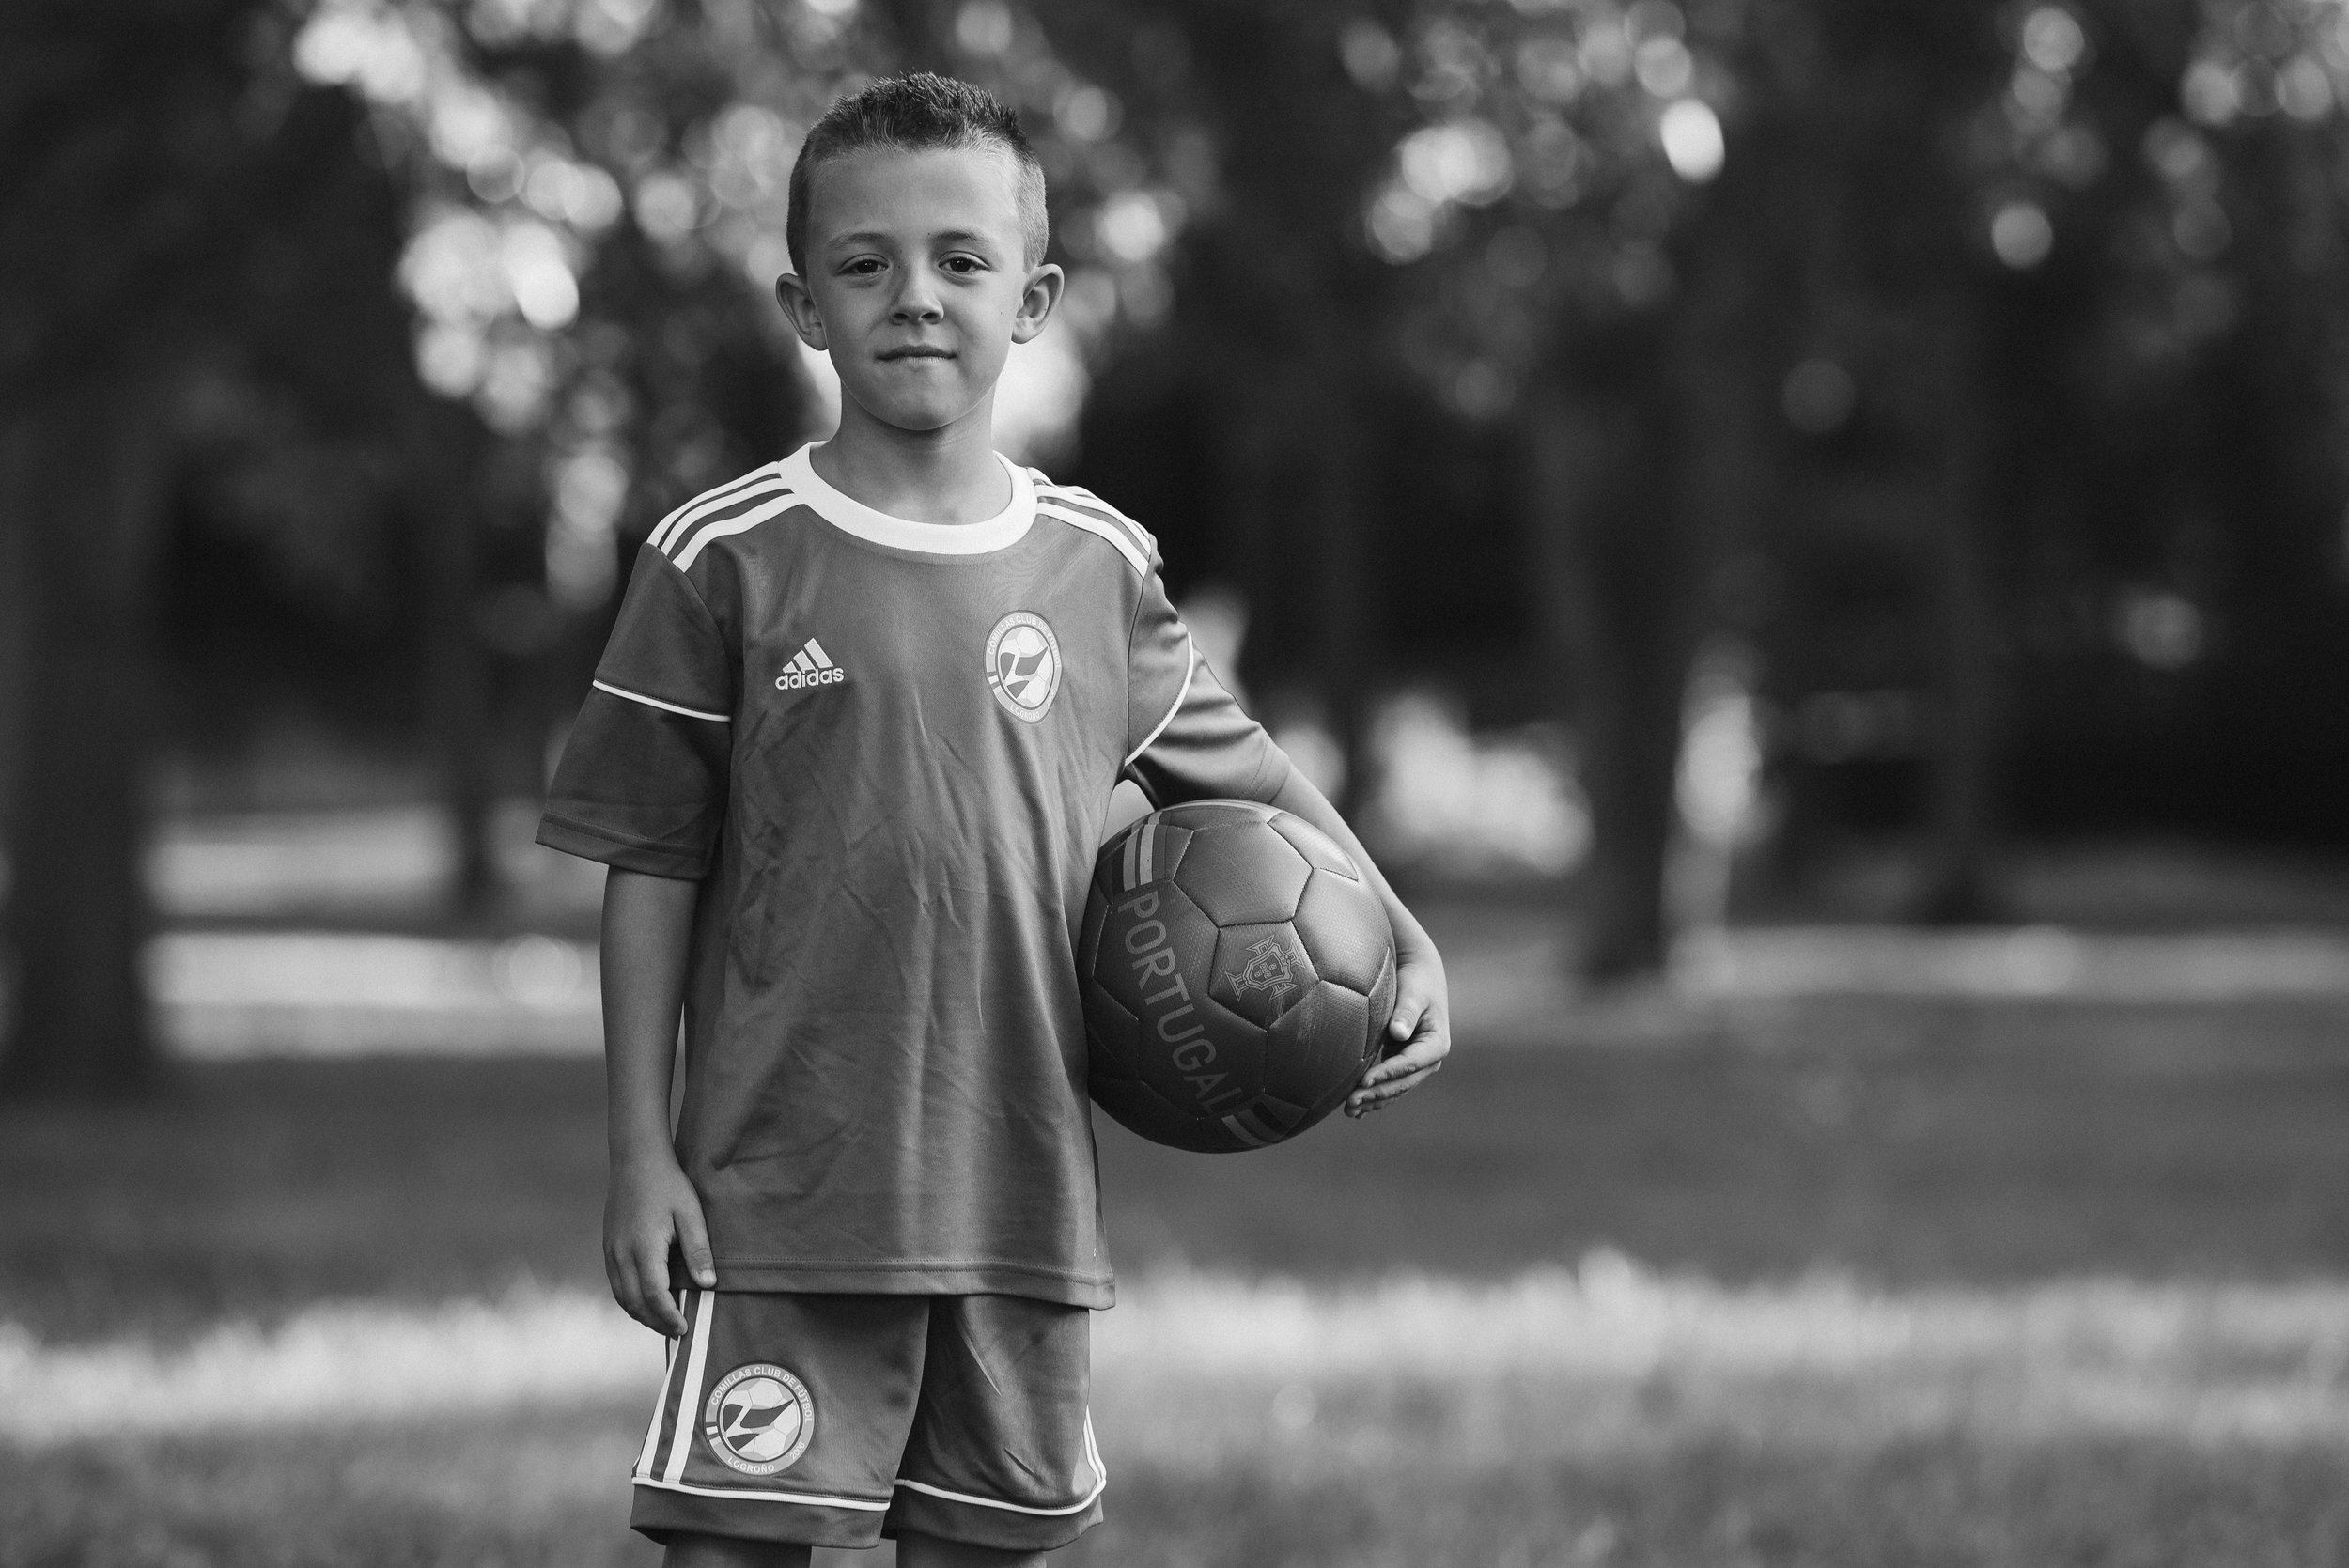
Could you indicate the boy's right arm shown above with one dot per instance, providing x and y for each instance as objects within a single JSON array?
[{"x": 651, "y": 1208}]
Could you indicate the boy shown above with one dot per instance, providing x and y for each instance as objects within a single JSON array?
[{"x": 849, "y": 756}]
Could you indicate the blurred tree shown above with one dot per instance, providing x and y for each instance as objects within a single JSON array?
[
  {"x": 1758, "y": 275},
  {"x": 157, "y": 184},
  {"x": 118, "y": 135}
]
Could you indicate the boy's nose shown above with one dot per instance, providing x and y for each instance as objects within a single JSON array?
[{"x": 916, "y": 302}]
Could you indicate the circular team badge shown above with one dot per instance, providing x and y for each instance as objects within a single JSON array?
[
  {"x": 1023, "y": 665},
  {"x": 760, "y": 1418}
]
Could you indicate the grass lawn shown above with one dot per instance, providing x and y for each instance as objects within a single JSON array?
[{"x": 1914, "y": 1149}]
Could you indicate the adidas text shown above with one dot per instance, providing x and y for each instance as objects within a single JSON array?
[{"x": 810, "y": 667}]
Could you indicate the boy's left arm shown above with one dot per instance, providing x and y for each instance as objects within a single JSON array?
[{"x": 1421, "y": 1024}]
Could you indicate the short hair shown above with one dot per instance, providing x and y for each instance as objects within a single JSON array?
[{"x": 918, "y": 112}]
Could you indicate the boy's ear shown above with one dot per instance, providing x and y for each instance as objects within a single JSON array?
[
  {"x": 1036, "y": 302},
  {"x": 791, "y": 292}
]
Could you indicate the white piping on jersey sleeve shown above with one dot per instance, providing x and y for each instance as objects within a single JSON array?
[
  {"x": 665, "y": 707},
  {"x": 1190, "y": 673},
  {"x": 1109, "y": 531},
  {"x": 743, "y": 524}
]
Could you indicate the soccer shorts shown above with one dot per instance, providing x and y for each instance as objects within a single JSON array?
[{"x": 838, "y": 1420}]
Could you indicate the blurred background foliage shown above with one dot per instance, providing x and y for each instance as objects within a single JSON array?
[{"x": 1718, "y": 428}]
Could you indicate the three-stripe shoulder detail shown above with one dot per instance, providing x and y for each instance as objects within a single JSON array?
[
  {"x": 1081, "y": 508},
  {"x": 732, "y": 508}
]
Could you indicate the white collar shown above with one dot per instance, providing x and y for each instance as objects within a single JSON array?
[{"x": 851, "y": 515}]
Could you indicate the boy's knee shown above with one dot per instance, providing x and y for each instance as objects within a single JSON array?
[
  {"x": 688, "y": 1550},
  {"x": 930, "y": 1551}
]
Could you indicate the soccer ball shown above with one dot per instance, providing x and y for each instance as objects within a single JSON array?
[{"x": 1238, "y": 973}]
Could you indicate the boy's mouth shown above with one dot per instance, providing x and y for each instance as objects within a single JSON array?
[{"x": 918, "y": 350}]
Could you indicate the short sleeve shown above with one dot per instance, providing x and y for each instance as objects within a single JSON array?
[
  {"x": 642, "y": 781},
  {"x": 1188, "y": 737}
]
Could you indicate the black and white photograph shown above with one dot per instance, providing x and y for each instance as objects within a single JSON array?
[{"x": 1175, "y": 784}]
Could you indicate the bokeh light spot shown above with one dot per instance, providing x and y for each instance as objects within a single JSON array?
[
  {"x": 1466, "y": 161},
  {"x": 2052, "y": 40},
  {"x": 1693, "y": 142},
  {"x": 1818, "y": 397},
  {"x": 1370, "y": 54},
  {"x": 2160, "y": 630},
  {"x": 2021, "y": 234}
]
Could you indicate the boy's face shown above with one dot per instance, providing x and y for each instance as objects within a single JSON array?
[{"x": 917, "y": 280}]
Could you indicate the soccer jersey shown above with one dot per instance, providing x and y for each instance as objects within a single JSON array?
[{"x": 886, "y": 748}]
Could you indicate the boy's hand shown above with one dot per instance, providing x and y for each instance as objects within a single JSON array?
[
  {"x": 650, "y": 1209},
  {"x": 1422, "y": 1025}
]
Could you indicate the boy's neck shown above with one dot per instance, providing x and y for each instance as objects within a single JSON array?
[{"x": 948, "y": 475}]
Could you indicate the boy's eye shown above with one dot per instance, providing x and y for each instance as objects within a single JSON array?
[
  {"x": 963, "y": 264},
  {"x": 864, "y": 266}
]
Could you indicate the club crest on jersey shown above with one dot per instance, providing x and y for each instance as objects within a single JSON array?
[
  {"x": 759, "y": 1419},
  {"x": 1023, "y": 665},
  {"x": 1268, "y": 969}
]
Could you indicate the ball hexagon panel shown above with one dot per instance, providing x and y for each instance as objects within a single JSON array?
[
  {"x": 1150, "y": 940},
  {"x": 1382, "y": 1005},
  {"x": 1313, "y": 1055},
  {"x": 1089, "y": 935},
  {"x": 1115, "y": 1034},
  {"x": 1260, "y": 971},
  {"x": 1345, "y": 930},
  {"x": 1204, "y": 1058},
  {"x": 1216, "y": 814},
  {"x": 1244, "y": 876},
  {"x": 1320, "y": 850},
  {"x": 1141, "y": 1109}
]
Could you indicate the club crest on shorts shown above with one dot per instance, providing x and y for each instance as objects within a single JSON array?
[
  {"x": 759, "y": 1419},
  {"x": 1023, "y": 665}
]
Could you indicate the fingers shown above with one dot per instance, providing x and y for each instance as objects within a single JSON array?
[
  {"x": 693, "y": 1239},
  {"x": 1426, "y": 1052},
  {"x": 1420, "y": 1022},
  {"x": 638, "y": 1267},
  {"x": 656, "y": 1309},
  {"x": 1367, "y": 1099},
  {"x": 1410, "y": 1007}
]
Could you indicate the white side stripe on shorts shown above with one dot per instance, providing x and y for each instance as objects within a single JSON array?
[
  {"x": 689, "y": 1393},
  {"x": 659, "y": 1407}
]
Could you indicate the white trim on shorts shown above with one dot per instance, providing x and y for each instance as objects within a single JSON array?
[
  {"x": 1093, "y": 1456},
  {"x": 743, "y": 1495}
]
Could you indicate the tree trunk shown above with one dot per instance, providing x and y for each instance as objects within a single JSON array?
[
  {"x": 1613, "y": 586},
  {"x": 457, "y": 676},
  {"x": 1961, "y": 820},
  {"x": 1343, "y": 578},
  {"x": 86, "y": 500}
]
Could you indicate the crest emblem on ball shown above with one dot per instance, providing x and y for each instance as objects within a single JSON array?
[
  {"x": 1268, "y": 969},
  {"x": 1023, "y": 665},
  {"x": 760, "y": 1420}
]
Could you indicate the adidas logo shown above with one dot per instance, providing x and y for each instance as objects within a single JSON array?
[{"x": 809, "y": 667}]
